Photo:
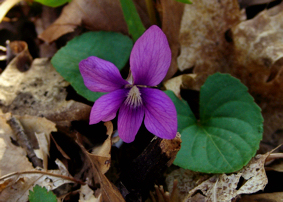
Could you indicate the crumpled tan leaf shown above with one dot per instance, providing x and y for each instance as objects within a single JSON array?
[
  {"x": 40, "y": 91},
  {"x": 95, "y": 15},
  {"x": 257, "y": 61}
]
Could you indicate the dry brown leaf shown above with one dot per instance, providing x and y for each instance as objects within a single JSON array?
[
  {"x": 94, "y": 15},
  {"x": 171, "y": 13},
  {"x": 202, "y": 34},
  {"x": 257, "y": 61},
  {"x": 40, "y": 91},
  {"x": 102, "y": 154},
  {"x": 266, "y": 197},
  {"x": 91, "y": 171}
]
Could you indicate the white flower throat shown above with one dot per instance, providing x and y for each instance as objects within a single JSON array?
[{"x": 134, "y": 97}]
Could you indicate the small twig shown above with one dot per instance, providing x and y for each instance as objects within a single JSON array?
[
  {"x": 272, "y": 157},
  {"x": 24, "y": 141},
  {"x": 43, "y": 173}
]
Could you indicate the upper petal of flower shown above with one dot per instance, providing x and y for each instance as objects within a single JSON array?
[
  {"x": 150, "y": 57},
  {"x": 129, "y": 122},
  {"x": 160, "y": 113},
  {"x": 106, "y": 107},
  {"x": 100, "y": 75}
]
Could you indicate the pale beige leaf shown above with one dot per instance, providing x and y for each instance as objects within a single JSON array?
[
  {"x": 225, "y": 187},
  {"x": 87, "y": 195},
  {"x": 40, "y": 91},
  {"x": 174, "y": 85}
]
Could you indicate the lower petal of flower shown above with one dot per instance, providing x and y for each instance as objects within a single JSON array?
[
  {"x": 129, "y": 122},
  {"x": 106, "y": 107},
  {"x": 160, "y": 113}
]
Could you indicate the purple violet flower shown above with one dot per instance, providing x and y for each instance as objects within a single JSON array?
[{"x": 135, "y": 100}]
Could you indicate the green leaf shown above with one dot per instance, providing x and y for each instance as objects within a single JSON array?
[
  {"x": 229, "y": 131},
  {"x": 53, "y": 3},
  {"x": 184, "y": 1},
  {"x": 40, "y": 194},
  {"x": 134, "y": 23},
  {"x": 110, "y": 46},
  {"x": 185, "y": 115}
]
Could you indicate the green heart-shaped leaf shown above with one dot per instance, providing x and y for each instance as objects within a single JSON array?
[
  {"x": 229, "y": 131},
  {"x": 110, "y": 46}
]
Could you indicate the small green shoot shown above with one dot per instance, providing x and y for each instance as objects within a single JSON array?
[{"x": 134, "y": 23}]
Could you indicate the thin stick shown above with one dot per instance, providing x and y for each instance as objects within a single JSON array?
[
  {"x": 24, "y": 141},
  {"x": 43, "y": 173}
]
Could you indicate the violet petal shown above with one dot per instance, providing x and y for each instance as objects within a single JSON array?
[
  {"x": 106, "y": 107},
  {"x": 160, "y": 113},
  {"x": 150, "y": 57},
  {"x": 100, "y": 75},
  {"x": 129, "y": 122}
]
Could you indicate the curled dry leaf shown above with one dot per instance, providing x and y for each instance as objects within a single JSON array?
[
  {"x": 40, "y": 91},
  {"x": 202, "y": 34},
  {"x": 95, "y": 15},
  {"x": 19, "y": 49}
]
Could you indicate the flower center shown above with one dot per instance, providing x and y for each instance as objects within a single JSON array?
[{"x": 134, "y": 97}]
